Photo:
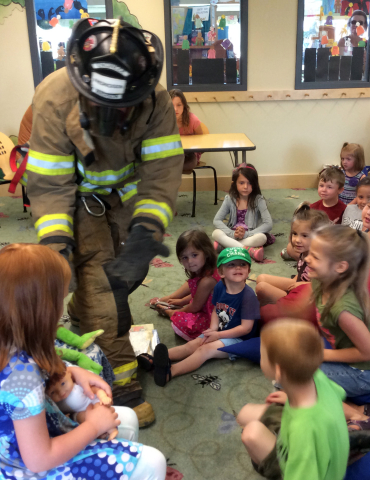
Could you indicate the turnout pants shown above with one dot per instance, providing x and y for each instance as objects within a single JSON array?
[{"x": 100, "y": 302}]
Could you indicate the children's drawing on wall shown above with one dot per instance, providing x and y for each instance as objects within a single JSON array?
[
  {"x": 7, "y": 7},
  {"x": 334, "y": 28},
  {"x": 121, "y": 9},
  {"x": 201, "y": 33}
]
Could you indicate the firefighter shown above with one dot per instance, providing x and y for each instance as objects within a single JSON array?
[{"x": 103, "y": 172}]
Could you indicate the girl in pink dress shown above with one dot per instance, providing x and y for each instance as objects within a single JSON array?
[
  {"x": 195, "y": 252},
  {"x": 189, "y": 124}
]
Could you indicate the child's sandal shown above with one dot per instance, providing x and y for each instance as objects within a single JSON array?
[
  {"x": 161, "y": 311},
  {"x": 145, "y": 361},
  {"x": 162, "y": 365},
  {"x": 361, "y": 424}
]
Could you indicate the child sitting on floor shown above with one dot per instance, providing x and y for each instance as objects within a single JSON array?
[
  {"x": 36, "y": 439},
  {"x": 271, "y": 288},
  {"x": 352, "y": 160},
  {"x": 195, "y": 252},
  {"x": 331, "y": 183},
  {"x": 338, "y": 266},
  {"x": 352, "y": 215},
  {"x": 306, "y": 438},
  {"x": 234, "y": 319},
  {"x": 249, "y": 219}
]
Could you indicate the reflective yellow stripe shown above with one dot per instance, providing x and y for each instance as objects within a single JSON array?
[
  {"x": 156, "y": 213},
  {"x": 52, "y": 223},
  {"x": 50, "y": 164},
  {"x": 124, "y": 381},
  {"x": 161, "y": 147},
  {"x": 125, "y": 373},
  {"x": 128, "y": 191},
  {"x": 158, "y": 209}
]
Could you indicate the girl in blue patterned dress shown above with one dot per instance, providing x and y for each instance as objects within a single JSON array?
[{"x": 36, "y": 440}]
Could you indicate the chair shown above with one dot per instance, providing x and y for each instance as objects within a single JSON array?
[
  {"x": 6, "y": 146},
  {"x": 201, "y": 166}
]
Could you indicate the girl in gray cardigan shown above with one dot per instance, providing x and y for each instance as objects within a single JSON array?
[{"x": 249, "y": 219}]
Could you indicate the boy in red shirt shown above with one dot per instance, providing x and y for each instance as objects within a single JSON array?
[{"x": 331, "y": 184}]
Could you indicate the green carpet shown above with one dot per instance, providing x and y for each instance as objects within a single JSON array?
[{"x": 194, "y": 426}]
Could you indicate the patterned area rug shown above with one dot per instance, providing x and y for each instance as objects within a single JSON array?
[{"x": 195, "y": 427}]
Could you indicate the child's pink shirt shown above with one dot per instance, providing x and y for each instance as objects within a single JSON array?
[{"x": 194, "y": 123}]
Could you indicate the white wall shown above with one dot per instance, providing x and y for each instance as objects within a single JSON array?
[
  {"x": 292, "y": 137},
  {"x": 16, "y": 81}
]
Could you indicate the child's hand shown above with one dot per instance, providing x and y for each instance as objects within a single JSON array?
[
  {"x": 102, "y": 418},
  {"x": 210, "y": 336},
  {"x": 178, "y": 302},
  {"x": 292, "y": 286},
  {"x": 277, "y": 397},
  {"x": 239, "y": 233},
  {"x": 87, "y": 379}
]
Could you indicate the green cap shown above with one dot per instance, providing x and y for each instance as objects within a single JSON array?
[{"x": 235, "y": 253}]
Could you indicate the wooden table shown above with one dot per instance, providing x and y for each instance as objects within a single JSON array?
[{"x": 219, "y": 142}]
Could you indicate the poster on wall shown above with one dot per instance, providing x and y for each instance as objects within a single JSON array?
[
  {"x": 178, "y": 21},
  {"x": 46, "y": 10},
  {"x": 203, "y": 13}
]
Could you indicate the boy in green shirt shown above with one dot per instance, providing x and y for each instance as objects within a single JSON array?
[{"x": 301, "y": 433}]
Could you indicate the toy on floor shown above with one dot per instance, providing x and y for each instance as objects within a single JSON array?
[{"x": 71, "y": 398}]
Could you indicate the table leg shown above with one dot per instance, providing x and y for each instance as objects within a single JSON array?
[
  {"x": 236, "y": 162},
  {"x": 244, "y": 156}
]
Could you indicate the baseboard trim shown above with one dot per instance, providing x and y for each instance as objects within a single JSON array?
[{"x": 307, "y": 180}]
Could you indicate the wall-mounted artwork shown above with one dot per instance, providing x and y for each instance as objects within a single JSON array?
[
  {"x": 121, "y": 9},
  {"x": 8, "y": 6}
]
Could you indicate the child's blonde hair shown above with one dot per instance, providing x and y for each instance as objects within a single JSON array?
[
  {"x": 304, "y": 213},
  {"x": 333, "y": 174},
  {"x": 294, "y": 345},
  {"x": 346, "y": 244},
  {"x": 357, "y": 151}
]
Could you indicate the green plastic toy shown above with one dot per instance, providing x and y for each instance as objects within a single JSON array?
[
  {"x": 81, "y": 343},
  {"x": 80, "y": 359},
  {"x": 74, "y": 340}
]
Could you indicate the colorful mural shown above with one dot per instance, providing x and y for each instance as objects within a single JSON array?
[
  {"x": 49, "y": 16},
  {"x": 8, "y": 6},
  {"x": 121, "y": 9}
]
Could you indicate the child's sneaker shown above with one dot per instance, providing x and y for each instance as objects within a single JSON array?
[
  {"x": 256, "y": 253},
  {"x": 285, "y": 255}
]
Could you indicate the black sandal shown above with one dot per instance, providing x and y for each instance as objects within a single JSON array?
[
  {"x": 162, "y": 365},
  {"x": 145, "y": 361}
]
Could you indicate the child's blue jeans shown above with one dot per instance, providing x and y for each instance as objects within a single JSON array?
[{"x": 354, "y": 381}]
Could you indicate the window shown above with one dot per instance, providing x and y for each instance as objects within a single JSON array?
[
  {"x": 50, "y": 25},
  {"x": 332, "y": 44},
  {"x": 206, "y": 44}
]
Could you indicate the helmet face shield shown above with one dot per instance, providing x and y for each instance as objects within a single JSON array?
[
  {"x": 112, "y": 63},
  {"x": 113, "y": 66},
  {"x": 104, "y": 121}
]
